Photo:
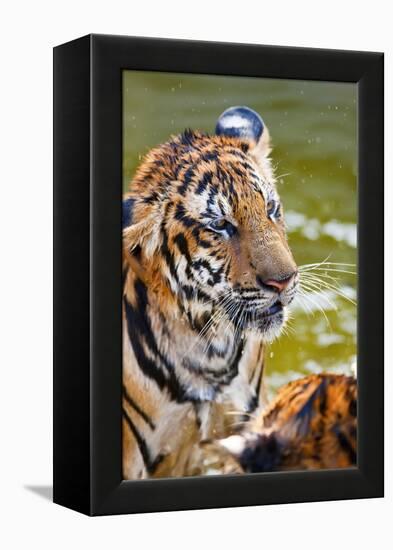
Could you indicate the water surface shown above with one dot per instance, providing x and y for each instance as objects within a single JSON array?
[{"x": 314, "y": 135}]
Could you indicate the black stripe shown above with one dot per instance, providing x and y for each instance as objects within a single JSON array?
[
  {"x": 237, "y": 170},
  {"x": 256, "y": 364},
  {"x": 182, "y": 216},
  {"x": 187, "y": 178},
  {"x": 187, "y": 137},
  {"x": 258, "y": 386},
  {"x": 211, "y": 198},
  {"x": 136, "y": 407},
  {"x": 153, "y": 197},
  {"x": 215, "y": 274},
  {"x": 150, "y": 464},
  {"x": 136, "y": 326},
  {"x": 204, "y": 182},
  {"x": 345, "y": 445},
  {"x": 254, "y": 401},
  {"x": 323, "y": 400},
  {"x": 215, "y": 376},
  {"x": 239, "y": 154},
  {"x": 167, "y": 254},
  {"x": 139, "y": 327},
  {"x": 204, "y": 243},
  {"x": 210, "y": 155},
  {"x": 182, "y": 245},
  {"x": 352, "y": 408},
  {"x": 191, "y": 292}
]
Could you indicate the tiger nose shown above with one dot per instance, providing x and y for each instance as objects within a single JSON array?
[{"x": 277, "y": 284}]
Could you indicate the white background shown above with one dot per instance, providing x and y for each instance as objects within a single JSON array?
[{"x": 29, "y": 30}]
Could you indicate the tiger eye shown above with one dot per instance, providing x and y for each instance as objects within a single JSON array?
[
  {"x": 220, "y": 224},
  {"x": 223, "y": 226},
  {"x": 273, "y": 209}
]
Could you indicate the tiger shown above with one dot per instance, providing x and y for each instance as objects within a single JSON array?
[
  {"x": 208, "y": 276},
  {"x": 310, "y": 425}
]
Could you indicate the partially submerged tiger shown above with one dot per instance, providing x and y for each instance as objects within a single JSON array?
[
  {"x": 208, "y": 275},
  {"x": 311, "y": 424}
]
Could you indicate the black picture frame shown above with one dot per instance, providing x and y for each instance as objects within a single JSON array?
[{"x": 87, "y": 274}]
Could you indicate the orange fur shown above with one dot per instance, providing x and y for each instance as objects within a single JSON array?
[
  {"x": 311, "y": 424},
  {"x": 190, "y": 352}
]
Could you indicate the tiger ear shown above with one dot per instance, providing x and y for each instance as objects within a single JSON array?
[
  {"x": 245, "y": 123},
  {"x": 143, "y": 234}
]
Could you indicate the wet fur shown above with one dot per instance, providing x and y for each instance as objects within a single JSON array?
[
  {"x": 311, "y": 424},
  {"x": 176, "y": 383}
]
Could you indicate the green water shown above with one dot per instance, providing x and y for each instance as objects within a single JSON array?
[{"x": 314, "y": 135}]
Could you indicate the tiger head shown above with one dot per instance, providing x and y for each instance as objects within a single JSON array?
[{"x": 203, "y": 221}]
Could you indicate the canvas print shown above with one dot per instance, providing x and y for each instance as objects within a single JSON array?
[{"x": 239, "y": 275}]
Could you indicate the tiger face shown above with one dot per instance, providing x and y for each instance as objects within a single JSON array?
[{"x": 204, "y": 219}]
